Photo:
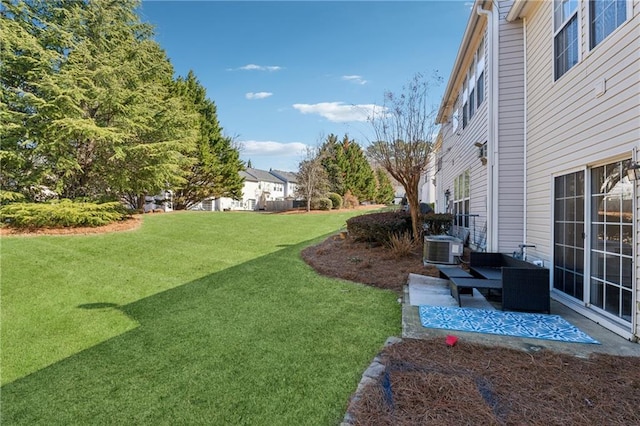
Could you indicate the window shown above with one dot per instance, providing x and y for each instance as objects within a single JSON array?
[
  {"x": 480, "y": 74},
  {"x": 465, "y": 105},
  {"x": 455, "y": 117},
  {"x": 565, "y": 41},
  {"x": 604, "y": 17},
  {"x": 471, "y": 76},
  {"x": 461, "y": 200}
]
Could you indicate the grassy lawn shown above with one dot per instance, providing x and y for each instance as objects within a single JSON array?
[{"x": 196, "y": 318}]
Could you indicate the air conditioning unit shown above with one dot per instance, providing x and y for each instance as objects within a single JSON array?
[{"x": 441, "y": 249}]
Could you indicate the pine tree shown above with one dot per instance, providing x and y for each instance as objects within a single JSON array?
[
  {"x": 215, "y": 166},
  {"x": 347, "y": 168},
  {"x": 385, "y": 193}
]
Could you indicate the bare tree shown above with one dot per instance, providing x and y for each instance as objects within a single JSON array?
[
  {"x": 312, "y": 177},
  {"x": 404, "y": 129}
]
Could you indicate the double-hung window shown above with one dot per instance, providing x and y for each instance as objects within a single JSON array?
[
  {"x": 455, "y": 117},
  {"x": 480, "y": 74},
  {"x": 461, "y": 199},
  {"x": 465, "y": 105},
  {"x": 604, "y": 17},
  {"x": 565, "y": 39},
  {"x": 471, "y": 76}
]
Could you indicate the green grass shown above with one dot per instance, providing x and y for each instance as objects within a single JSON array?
[{"x": 196, "y": 318}]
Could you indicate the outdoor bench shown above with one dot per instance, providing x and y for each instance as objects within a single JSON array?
[
  {"x": 447, "y": 272},
  {"x": 525, "y": 286}
]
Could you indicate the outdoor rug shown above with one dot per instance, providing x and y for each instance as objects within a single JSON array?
[{"x": 537, "y": 326}]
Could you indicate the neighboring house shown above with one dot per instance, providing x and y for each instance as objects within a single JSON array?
[
  {"x": 260, "y": 186},
  {"x": 290, "y": 182},
  {"x": 540, "y": 122}
]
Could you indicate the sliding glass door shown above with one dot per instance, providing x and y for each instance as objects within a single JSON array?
[
  {"x": 612, "y": 240},
  {"x": 607, "y": 267}
]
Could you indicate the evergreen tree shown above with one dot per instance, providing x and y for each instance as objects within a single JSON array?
[
  {"x": 215, "y": 166},
  {"x": 31, "y": 51},
  {"x": 347, "y": 168},
  {"x": 385, "y": 193},
  {"x": 97, "y": 116},
  {"x": 329, "y": 154}
]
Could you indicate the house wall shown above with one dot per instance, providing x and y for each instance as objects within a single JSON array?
[
  {"x": 569, "y": 127},
  {"x": 459, "y": 151},
  {"x": 510, "y": 155}
]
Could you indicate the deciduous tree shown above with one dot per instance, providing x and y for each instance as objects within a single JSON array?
[
  {"x": 312, "y": 177},
  {"x": 404, "y": 129}
]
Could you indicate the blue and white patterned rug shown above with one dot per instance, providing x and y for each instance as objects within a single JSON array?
[{"x": 538, "y": 326}]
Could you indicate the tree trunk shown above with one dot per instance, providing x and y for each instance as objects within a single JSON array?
[{"x": 414, "y": 209}]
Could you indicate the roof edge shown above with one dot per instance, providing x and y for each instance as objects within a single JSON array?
[
  {"x": 474, "y": 19},
  {"x": 518, "y": 10}
]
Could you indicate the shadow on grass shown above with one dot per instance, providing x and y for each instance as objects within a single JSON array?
[
  {"x": 264, "y": 342},
  {"x": 98, "y": 305}
]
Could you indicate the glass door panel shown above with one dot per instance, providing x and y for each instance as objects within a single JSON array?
[
  {"x": 568, "y": 274},
  {"x": 612, "y": 239}
]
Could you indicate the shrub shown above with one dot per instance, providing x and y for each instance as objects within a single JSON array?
[
  {"x": 336, "y": 199},
  {"x": 379, "y": 227},
  {"x": 61, "y": 214},
  {"x": 401, "y": 245},
  {"x": 350, "y": 200},
  {"x": 437, "y": 223},
  {"x": 7, "y": 197},
  {"x": 321, "y": 204}
]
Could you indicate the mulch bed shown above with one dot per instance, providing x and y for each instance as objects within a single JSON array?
[{"x": 427, "y": 382}]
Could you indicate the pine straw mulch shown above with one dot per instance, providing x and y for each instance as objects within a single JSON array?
[
  {"x": 426, "y": 382},
  {"x": 129, "y": 224}
]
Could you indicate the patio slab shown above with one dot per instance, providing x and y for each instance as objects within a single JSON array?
[{"x": 611, "y": 343}]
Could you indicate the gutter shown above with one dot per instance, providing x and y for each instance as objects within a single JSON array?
[{"x": 492, "y": 140}]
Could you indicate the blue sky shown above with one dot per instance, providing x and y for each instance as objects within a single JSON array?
[{"x": 286, "y": 74}]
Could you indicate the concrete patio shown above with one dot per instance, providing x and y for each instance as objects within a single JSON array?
[{"x": 429, "y": 290}]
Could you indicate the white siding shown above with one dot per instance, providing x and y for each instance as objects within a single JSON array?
[
  {"x": 511, "y": 165},
  {"x": 570, "y": 128}
]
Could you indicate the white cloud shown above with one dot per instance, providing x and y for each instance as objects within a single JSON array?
[
  {"x": 272, "y": 148},
  {"x": 357, "y": 79},
  {"x": 254, "y": 67},
  {"x": 258, "y": 95},
  {"x": 339, "y": 112}
]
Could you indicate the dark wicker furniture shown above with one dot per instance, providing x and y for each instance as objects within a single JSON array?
[{"x": 525, "y": 286}]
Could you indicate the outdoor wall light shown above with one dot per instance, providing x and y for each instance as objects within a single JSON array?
[
  {"x": 633, "y": 172},
  {"x": 447, "y": 194}
]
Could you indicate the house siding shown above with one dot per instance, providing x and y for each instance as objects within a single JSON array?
[
  {"x": 459, "y": 151},
  {"x": 510, "y": 118},
  {"x": 569, "y": 128}
]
